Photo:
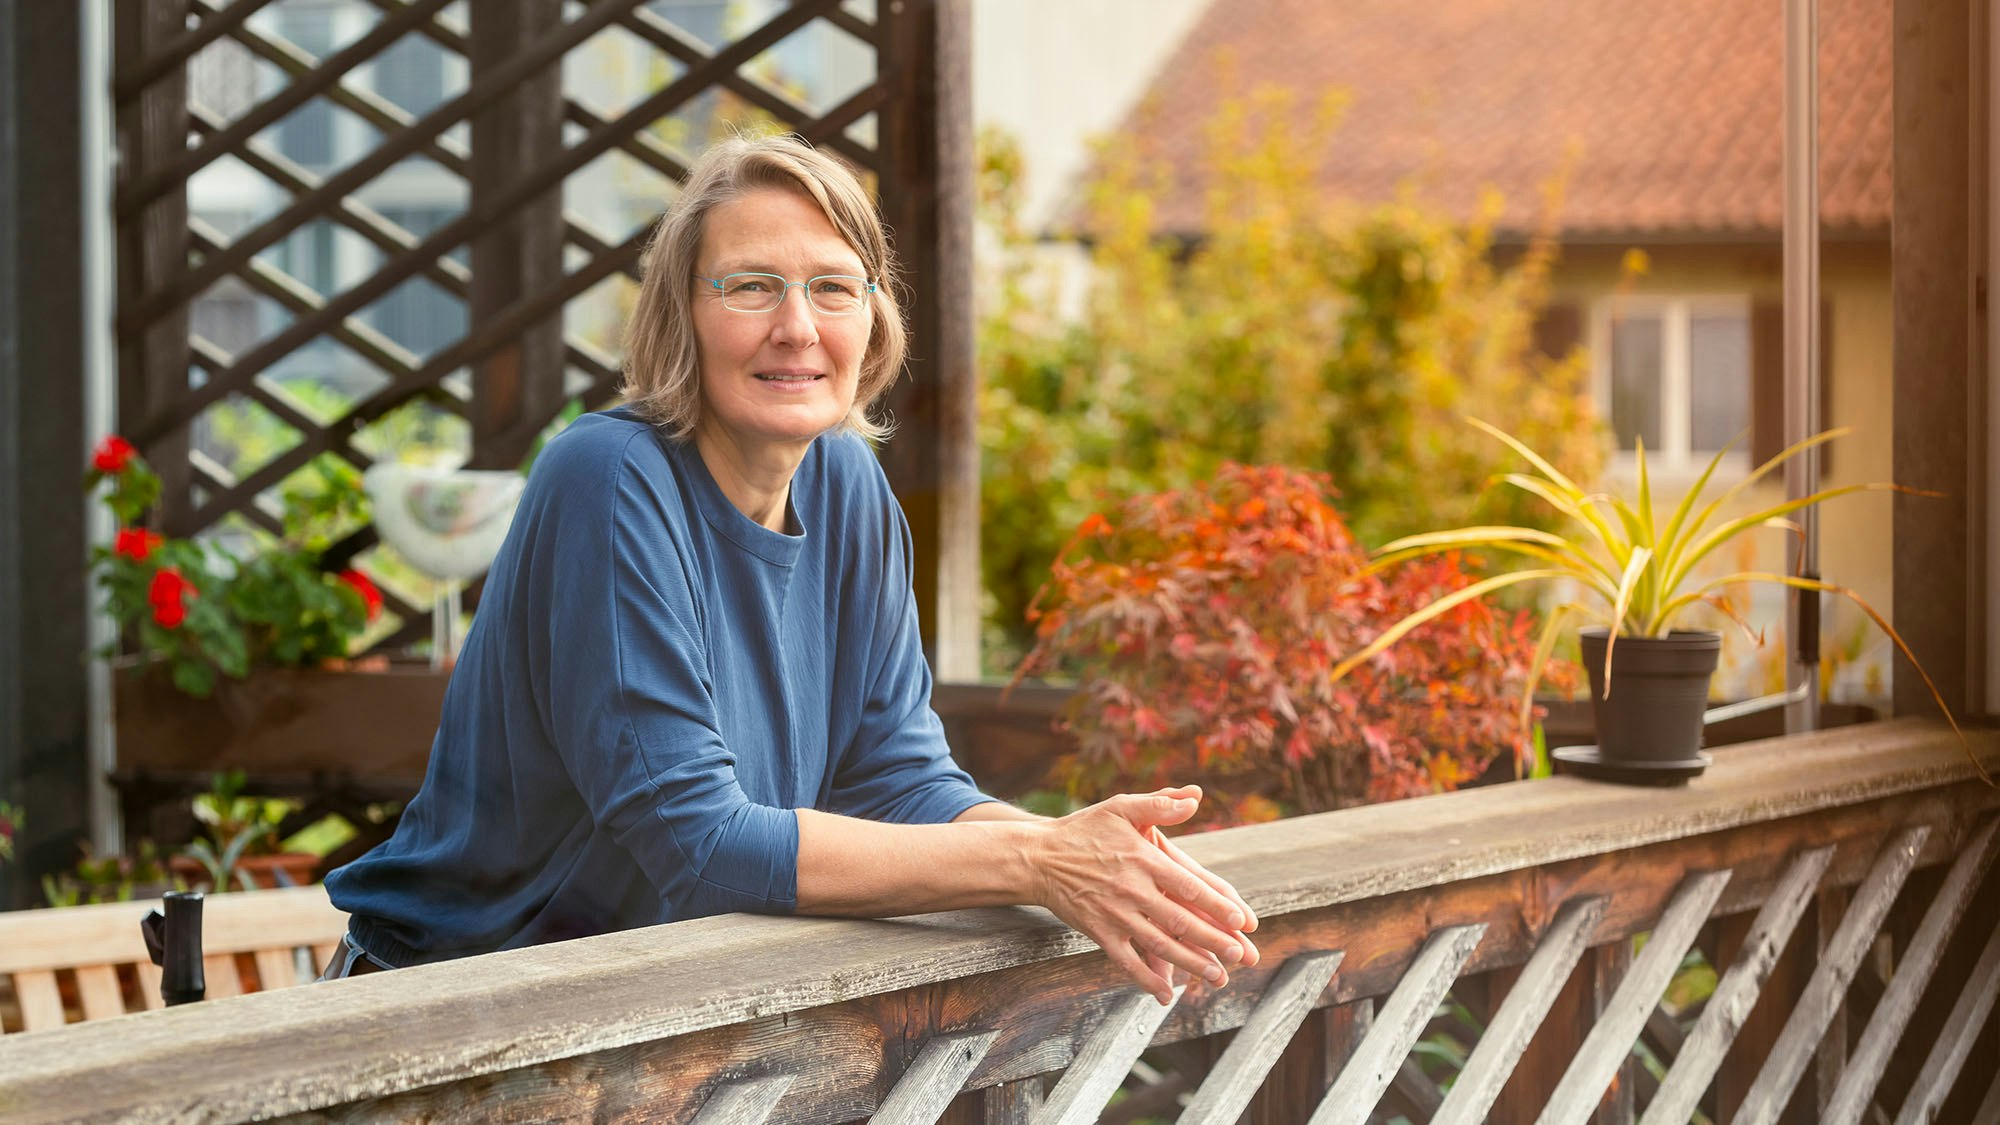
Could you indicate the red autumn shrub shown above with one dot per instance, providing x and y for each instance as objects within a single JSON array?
[{"x": 1202, "y": 623}]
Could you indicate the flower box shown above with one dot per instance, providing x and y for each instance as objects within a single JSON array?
[{"x": 283, "y": 723}]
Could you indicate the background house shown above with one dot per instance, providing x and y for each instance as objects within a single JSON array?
[{"x": 1664, "y": 127}]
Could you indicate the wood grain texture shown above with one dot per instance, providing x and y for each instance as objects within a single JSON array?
[
  {"x": 1397, "y": 1027},
  {"x": 1610, "y": 1041},
  {"x": 218, "y": 970},
  {"x": 1892, "y": 1015},
  {"x": 98, "y": 993},
  {"x": 1227, "y": 1091},
  {"x": 276, "y": 968},
  {"x": 934, "y": 1079},
  {"x": 1509, "y": 1031},
  {"x": 1702, "y": 1052},
  {"x": 149, "y": 986},
  {"x": 744, "y": 1103},
  {"x": 1363, "y": 879},
  {"x": 41, "y": 1001},
  {"x": 1010, "y": 1103},
  {"x": 1793, "y": 1050},
  {"x": 1105, "y": 1060},
  {"x": 1608, "y": 966},
  {"x": 1947, "y": 1056}
]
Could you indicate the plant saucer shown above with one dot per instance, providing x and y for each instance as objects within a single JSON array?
[{"x": 1586, "y": 761}]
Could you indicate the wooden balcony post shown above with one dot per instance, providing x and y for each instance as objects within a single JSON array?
[
  {"x": 925, "y": 57},
  {"x": 1940, "y": 293},
  {"x": 152, "y": 252},
  {"x": 518, "y": 386},
  {"x": 45, "y": 763}
]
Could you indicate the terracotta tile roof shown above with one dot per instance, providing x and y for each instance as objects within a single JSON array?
[{"x": 1674, "y": 108}]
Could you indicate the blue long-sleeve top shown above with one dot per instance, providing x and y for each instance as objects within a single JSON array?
[{"x": 652, "y": 684}]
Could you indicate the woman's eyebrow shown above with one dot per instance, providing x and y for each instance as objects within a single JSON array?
[{"x": 821, "y": 269}]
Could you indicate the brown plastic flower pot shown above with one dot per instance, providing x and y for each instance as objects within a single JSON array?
[{"x": 1650, "y": 728}]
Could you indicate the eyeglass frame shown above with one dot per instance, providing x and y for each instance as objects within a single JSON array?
[{"x": 785, "y": 290}]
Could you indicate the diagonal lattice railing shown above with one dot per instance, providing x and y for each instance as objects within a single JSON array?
[
  {"x": 1841, "y": 886},
  {"x": 512, "y": 162}
]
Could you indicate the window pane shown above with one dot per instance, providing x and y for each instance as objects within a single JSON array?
[
  {"x": 1719, "y": 379},
  {"x": 1635, "y": 380}
]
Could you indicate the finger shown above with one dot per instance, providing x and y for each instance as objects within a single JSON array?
[
  {"x": 1155, "y": 942},
  {"x": 1137, "y": 967},
  {"x": 1150, "y": 809},
  {"x": 1191, "y": 928},
  {"x": 1189, "y": 889},
  {"x": 1220, "y": 884}
]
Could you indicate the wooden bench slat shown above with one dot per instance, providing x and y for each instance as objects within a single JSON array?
[
  {"x": 1954, "y": 1043},
  {"x": 1513, "y": 1027},
  {"x": 934, "y": 1078},
  {"x": 744, "y": 1103},
  {"x": 1870, "y": 1057},
  {"x": 41, "y": 1000},
  {"x": 149, "y": 986},
  {"x": 1227, "y": 1091},
  {"x": 1610, "y": 1040},
  {"x": 1398, "y": 1026},
  {"x": 108, "y": 933},
  {"x": 322, "y": 956},
  {"x": 218, "y": 970},
  {"x": 97, "y": 988},
  {"x": 1702, "y": 1052},
  {"x": 1827, "y": 989},
  {"x": 1105, "y": 1059},
  {"x": 276, "y": 968}
]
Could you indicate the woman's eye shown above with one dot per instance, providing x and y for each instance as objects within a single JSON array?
[
  {"x": 837, "y": 286},
  {"x": 749, "y": 285}
]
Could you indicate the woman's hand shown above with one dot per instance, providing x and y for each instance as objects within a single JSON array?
[{"x": 1108, "y": 872}]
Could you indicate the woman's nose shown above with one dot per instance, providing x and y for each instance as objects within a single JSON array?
[{"x": 795, "y": 325}]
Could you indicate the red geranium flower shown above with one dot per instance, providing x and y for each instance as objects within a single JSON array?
[
  {"x": 113, "y": 454},
  {"x": 135, "y": 543},
  {"x": 370, "y": 596},
  {"x": 169, "y": 596}
]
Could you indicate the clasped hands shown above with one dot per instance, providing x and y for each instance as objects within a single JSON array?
[{"x": 1110, "y": 873}]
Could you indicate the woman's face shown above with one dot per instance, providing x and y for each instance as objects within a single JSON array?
[{"x": 779, "y": 378}]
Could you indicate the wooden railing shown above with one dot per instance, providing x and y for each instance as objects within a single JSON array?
[{"x": 1838, "y": 884}]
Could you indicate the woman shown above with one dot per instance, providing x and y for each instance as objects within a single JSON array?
[{"x": 694, "y": 684}]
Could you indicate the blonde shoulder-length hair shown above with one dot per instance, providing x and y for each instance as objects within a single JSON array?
[{"x": 662, "y": 357}]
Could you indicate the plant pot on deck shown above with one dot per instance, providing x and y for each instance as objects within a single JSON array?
[
  {"x": 267, "y": 872},
  {"x": 1649, "y": 726}
]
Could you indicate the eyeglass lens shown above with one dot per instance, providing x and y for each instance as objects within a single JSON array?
[{"x": 762, "y": 292}]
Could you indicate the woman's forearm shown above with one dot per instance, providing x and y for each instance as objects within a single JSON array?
[{"x": 868, "y": 869}]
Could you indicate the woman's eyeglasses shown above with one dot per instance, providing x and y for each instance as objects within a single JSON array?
[{"x": 829, "y": 294}]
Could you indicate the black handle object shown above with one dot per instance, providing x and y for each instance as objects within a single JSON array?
[{"x": 174, "y": 943}]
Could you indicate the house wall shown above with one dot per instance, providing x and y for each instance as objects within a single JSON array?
[
  {"x": 1855, "y": 547},
  {"x": 1057, "y": 73}
]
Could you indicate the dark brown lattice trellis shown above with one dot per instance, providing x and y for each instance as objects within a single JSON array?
[{"x": 514, "y": 256}]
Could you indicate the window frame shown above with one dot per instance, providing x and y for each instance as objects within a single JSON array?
[{"x": 1676, "y": 310}]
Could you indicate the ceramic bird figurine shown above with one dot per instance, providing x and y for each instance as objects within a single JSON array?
[{"x": 449, "y": 523}]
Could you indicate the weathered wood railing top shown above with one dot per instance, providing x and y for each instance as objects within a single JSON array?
[{"x": 577, "y": 1028}]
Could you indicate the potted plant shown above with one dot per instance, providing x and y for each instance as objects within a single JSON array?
[
  {"x": 202, "y": 613},
  {"x": 1648, "y": 677},
  {"x": 112, "y": 878},
  {"x": 1202, "y": 623},
  {"x": 241, "y": 849}
]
